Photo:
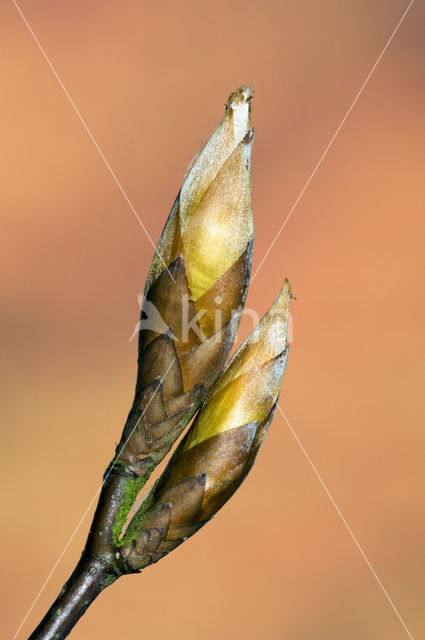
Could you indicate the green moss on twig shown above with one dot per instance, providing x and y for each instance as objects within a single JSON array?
[
  {"x": 136, "y": 524},
  {"x": 133, "y": 487}
]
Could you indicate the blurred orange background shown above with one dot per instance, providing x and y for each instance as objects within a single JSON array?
[{"x": 151, "y": 80}]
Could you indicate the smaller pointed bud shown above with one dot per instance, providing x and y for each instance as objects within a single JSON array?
[
  {"x": 221, "y": 446},
  {"x": 250, "y": 384}
]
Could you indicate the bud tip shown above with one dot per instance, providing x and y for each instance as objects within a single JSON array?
[
  {"x": 281, "y": 302},
  {"x": 239, "y": 103},
  {"x": 242, "y": 95}
]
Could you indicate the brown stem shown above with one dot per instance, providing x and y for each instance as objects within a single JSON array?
[
  {"x": 100, "y": 565},
  {"x": 88, "y": 579}
]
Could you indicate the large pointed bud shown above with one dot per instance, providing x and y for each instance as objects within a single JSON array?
[
  {"x": 220, "y": 447},
  {"x": 195, "y": 291}
]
